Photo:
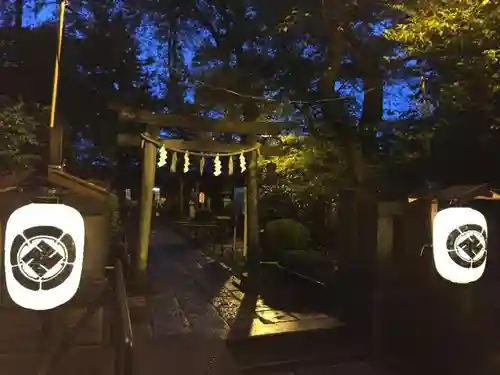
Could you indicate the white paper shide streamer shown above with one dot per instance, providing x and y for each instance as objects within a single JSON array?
[
  {"x": 186, "y": 162},
  {"x": 217, "y": 166},
  {"x": 243, "y": 163}
]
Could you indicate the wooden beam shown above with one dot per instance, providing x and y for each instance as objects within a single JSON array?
[
  {"x": 132, "y": 140},
  {"x": 272, "y": 151},
  {"x": 128, "y": 140},
  {"x": 197, "y": 123},
  {"x": 65, "y": 180}
]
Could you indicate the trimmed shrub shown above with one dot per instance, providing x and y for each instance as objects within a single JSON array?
[
  {"x": 314, "y": 264},
  {"x": 204, "y": 215},
  {"x": 285, "y": 235}
]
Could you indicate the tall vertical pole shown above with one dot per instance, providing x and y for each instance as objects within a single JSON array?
[
  {"x": 55, "y": 85},
  {"x": 56, "y": 133},
  {"x": 146, "y": 207}
]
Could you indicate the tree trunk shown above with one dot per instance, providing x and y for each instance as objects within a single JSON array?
[
  {"x": 19, "y": 14},
  {"x": 334, "y": 111},
  {"x": 372, "y": 111}
]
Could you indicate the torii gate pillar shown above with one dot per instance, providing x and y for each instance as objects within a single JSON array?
[
  {"x": 146, "y": 204},
  {"x": 253, "y": 252}
]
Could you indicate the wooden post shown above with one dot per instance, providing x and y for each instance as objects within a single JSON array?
[
  {"x": 146, "y": 205},
  {"x": 245, "y": 223},
  {"x": 181, "y": 196},
  {"x": 348, "y": 234},
  {"x": 55, "y": 145},
  {"x": 235, "y": 223},
  {"x": 197, "y": 194},
  {"x": 253, "y": 252},
  {"x": 385, "y": 247},
  {"x": 433, "y": 212}
]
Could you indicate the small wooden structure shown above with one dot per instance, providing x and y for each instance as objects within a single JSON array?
[
  {"x": 410, "y": 296},
  {"x": 57, "y": 325},
  {"x": 404, "y": 229},
  {"x": 89, "y": 199},
  {"x": 205, "y": 130}
]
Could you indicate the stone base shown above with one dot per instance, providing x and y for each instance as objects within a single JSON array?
[
  {"x": 59, "y": 326},
  {"x": 77, "y": 361},
  {"x": 20, "y": 330},
  {"x": 141, "y": 285},
  {"x": 89, "y": 290}
]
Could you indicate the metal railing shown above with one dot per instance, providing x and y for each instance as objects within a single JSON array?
[
  {"x": 56, "y": 353},
  {"x": 123, "y": 334},
  {"x": 121, "y": 326}
]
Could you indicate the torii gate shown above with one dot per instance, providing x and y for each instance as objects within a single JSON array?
[{"x": 205, "y": 128}]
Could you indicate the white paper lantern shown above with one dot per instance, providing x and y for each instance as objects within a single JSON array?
[
  {"x": 156, "y": 194},
  {"x": 460, "y": 244},
  {"x": 44, "y": 245}
]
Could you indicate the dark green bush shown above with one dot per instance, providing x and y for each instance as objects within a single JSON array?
[
  {"x": 285, "y": 235},
  {"x": 204, "y": 215},
  {"x": 314, "y": 264},
  {"x": 228, "y": 210}
]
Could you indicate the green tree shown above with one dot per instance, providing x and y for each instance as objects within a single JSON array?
[
  {"x": 106, "y": 56},
  {"x": 100, "y": 64},
  {"x": 19, "y": 141},
  {"x": 228, "y": 66},
  {"x": 311, "y": 167},
  {"x": 455, "y": 44},
  {"x": 337, "y": 42},
  {"x": 174, "y": 33}
]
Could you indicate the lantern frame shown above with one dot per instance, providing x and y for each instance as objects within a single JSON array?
[{"x": 460, "y": 236}]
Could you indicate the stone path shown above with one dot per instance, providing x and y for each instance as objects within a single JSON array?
[
  {"x": 197, "y": 307},
  {"x": 194, "y": 294},
  {"x": 177, "y": 330}
]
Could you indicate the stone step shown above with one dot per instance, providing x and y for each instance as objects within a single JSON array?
[
  {"x": 347, "y": 368},
  {"x": 25, "y": 330},
  {"x": 183, "y": 354},
  {"x": 290, "y": 349}
]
